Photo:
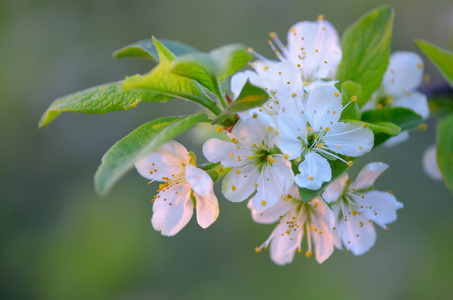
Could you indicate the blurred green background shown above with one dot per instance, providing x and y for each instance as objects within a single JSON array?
[{"x": 59, "y": 240}]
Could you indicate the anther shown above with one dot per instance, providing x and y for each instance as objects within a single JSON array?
[
  {"x": 350, "y": 163},
  {"x": 308, "y": 254},
  {"x": 219, "y": 129},
  {"x": 353, "y": 98},
  {"x": 263, "y": 203},
  {"x": 233, "y": 187}
]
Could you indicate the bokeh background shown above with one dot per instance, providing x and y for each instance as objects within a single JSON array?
[{"x": 59, "y": 240}]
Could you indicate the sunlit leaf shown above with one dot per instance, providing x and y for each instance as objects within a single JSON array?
[
  {"x": 100, "y": 100},
  {"x": 366, "y": 51}
]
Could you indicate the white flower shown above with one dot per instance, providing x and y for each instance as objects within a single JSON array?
[
  {"x": 313, "y": 53},
  {"x": 315, "y": 48},
  {"x": 280, "y": 80},
  {"x": 356, "y": 206},
  {"x": 254, "y": 162},
  {"x": 311, "y": 128},
  {"x": 430, "y": 165},
  {"x": 399, "y": 89},
  {"x": 295, "y": 218},
  {"x": 173, "y": 205}
]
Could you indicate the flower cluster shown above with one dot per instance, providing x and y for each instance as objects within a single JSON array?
[{"x": 289, "y": 145}]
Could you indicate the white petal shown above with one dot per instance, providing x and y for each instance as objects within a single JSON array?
[
  {"x": 253, "y": 131},
  {"x": 291, "y": 124},
  {"x": 171, "y": 212},
  {"x": 272, "y": 214},
  {"x": 166, "y": 160},
  {"x": 285, "y": 241},
  {"x": 398, "y": 139},
  {"x": 335, "y": 189},
  {"x": 274, "y": 181},
  {"x": 430, "y": 165},
  {"x": 349, "y": 139},
  {"x": 323, "y": 107},
  {"x": 237, "y": 187},
  {"x": 368, "y": 176},
  {"x": 314, "y": 171},
  {"x": 357, "y": 233},
  {"x": 207, "y": 209},
  {"x": 288, "y": 78},
  {"x": 226, "y": 153},
  {"x": 383, "y": 207},
  {"x": 238, "y": 81},
  {"x": 200, "y": 182},
  {"x": 318, "y": 44},
  {"x": 404, "y": 73},
  {"x": 416, "y": 101}
]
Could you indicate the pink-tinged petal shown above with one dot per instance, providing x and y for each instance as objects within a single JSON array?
[
  {"x": 357, "y": 233},
  {"x": 171, "y": 212},
  {"x": 285, "y": 240},
  {"x": 314, "y": 171},
  {"x": 335, "y": 189},
  {"x": 336, "y": 232},
  {"x": 416, "y": 101},
  {"x": 239, "y": 185},
  {"x": 323, "y": 106},
  {"x": 168, "y": 159},
  {"x": 200, "y": 182},
  {"x": 323, "y": 220},
  {"x": 404, "y": 73},
  {"x": 226, "y": 153},
  {"x": 207, "y": 209},
  {"x": 398, "y": 139},
  {"x": 368, "y": 176},
  {"x": 382, "y": 207},
  {"x": 274, "y": 181},
  {"x": 430, "y": 165},
  {"x": 272, "y": 214},
  {"x": 350, "y": 139}
]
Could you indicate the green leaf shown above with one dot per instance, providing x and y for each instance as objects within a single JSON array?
[
  {"x": 441, "y": 58},
  {"x": 161, "y": 80},
  {"x": 440, "y": 105},
  {"x": 379, "y": 127},
  {"x": 163, "y": 52},
  {"x": 250, "y": 97},
  {"x": 143, "y": 140},
  {"x": 338, "y": 168},
  {"x": 366, "y": 51},
  {"x": 100, "y": 100},
  {"x": 405, "y": 118},
  {"x": 350, "y": 91},
  {"x": 209, "y": 69},
  {"x": 147, "y": 49},
  {"x": 445, "y": 149}
]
